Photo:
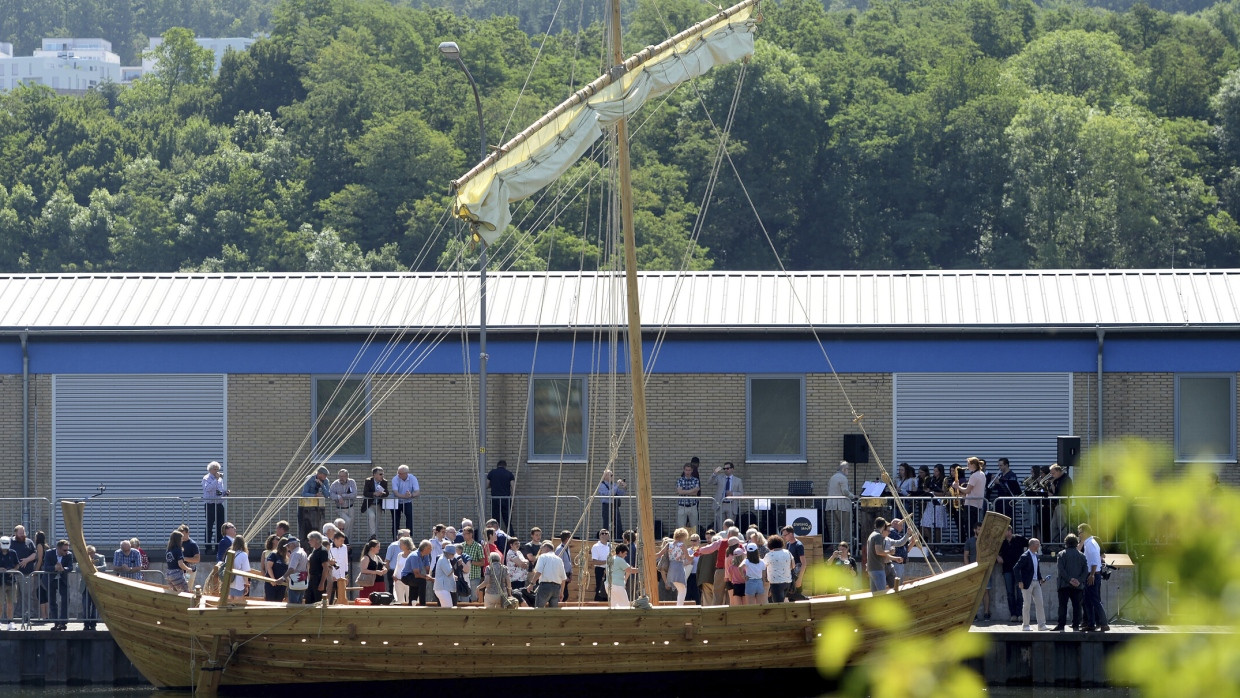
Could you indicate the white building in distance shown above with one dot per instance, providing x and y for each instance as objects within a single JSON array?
[
  {"x": 217, "y": 46},
  {"x": 68, "y": 66}
]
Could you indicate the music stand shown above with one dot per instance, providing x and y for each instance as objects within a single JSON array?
[{"x": 1137, "y": 595}]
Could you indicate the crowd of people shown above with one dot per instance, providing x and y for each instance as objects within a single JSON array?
[{"x": 489, "y": 566}]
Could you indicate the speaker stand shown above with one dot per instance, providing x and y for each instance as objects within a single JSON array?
[{"x": 1137, "y": 598}]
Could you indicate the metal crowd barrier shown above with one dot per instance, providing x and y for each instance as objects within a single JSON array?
[
  {"x": 1051, "y": 518},
  {"x": 551, "y": 513}
]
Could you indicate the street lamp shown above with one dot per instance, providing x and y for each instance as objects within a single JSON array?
[{"x": 452, "y": 52}]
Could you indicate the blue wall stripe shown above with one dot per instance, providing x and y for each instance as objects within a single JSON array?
[{"x": 776, "y": 354}]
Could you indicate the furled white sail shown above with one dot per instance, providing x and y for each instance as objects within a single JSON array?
[{"x": 545, "y": 150}]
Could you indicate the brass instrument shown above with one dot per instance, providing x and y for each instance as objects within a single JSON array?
[
  {"x": 1040, "y": 483},
  {"x": 954, "y": 498}
]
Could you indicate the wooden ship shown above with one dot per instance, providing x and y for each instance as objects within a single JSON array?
[
  {"x": 205, "y": 643},
  {"x": 183, "y": 641}
]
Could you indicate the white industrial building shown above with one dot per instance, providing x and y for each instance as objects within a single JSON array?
[
  {"x": 69, "y": 66},
  {"x": 217, "y": 46},
  {"x": 72, "y": 66}
]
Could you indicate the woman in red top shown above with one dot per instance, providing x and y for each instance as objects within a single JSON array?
[{"x": 489, "y": 547}]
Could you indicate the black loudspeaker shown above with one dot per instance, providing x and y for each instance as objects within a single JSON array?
[
  {"x": 855, "y": 449},
  {"x": 1068, "y": 451}
]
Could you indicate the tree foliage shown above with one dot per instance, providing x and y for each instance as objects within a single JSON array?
[{"x": 884, "y": 134}]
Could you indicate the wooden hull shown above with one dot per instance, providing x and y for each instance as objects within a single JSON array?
[{"x": 175, "y": 643}]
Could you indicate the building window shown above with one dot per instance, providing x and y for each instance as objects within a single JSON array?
[
  {"x": 775, "y": 416},
  {"x": 558, "y": 420},
  {"x": 341, "y": 419},
  {"x": 1205, "y": 418}
]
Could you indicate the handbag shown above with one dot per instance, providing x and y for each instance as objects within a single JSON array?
[{"x": 298, "y": 581}]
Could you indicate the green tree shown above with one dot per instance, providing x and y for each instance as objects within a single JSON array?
[
  {"x": 180, "y": 61},
  {"x": 1082, "y": 64}
]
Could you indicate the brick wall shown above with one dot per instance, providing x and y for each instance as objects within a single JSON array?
[
  {"x": 1139, "y": 404},
  {"x": 428, "y": 422}
]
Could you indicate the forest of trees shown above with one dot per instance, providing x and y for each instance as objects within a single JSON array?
[{"x": 906, "y": 134}]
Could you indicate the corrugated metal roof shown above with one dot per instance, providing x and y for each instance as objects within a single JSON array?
[{"x": 703, "y": 300}]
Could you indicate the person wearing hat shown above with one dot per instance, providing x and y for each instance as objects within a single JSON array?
[
  {"x": 755, "y": 569},
  {"x": 298, "y": 575},
  {"x": 213, "y": 492},
  {"x": 8, "y": 590},
  {"x": 445, "y": 577},
  {"x": 735, "y": 572},
  {"x": 310, "y": 514}
]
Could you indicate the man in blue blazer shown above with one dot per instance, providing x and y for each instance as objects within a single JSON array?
[{"x": 1029, "y": 579}]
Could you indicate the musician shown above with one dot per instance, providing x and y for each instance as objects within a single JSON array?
[
  {"x": 934, "y": 518},
  {"x": 1035, "y": 489},
  {"x": 1005, "y": 484},
  {"x": 974, "y": 492},
  {"x": 906, "y": 485},
  {"x": 1059, "y": 486}
]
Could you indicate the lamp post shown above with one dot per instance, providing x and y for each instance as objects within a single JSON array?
[{"x": 452, "y": 52}]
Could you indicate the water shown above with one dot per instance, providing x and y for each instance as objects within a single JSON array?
[{"x": 147, "y": 692}]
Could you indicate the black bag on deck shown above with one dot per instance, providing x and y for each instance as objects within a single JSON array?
[{"x": 380, "y": 598}]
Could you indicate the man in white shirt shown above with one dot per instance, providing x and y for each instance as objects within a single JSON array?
[
  {"x": 393, "y": 552},
  {"x": 213, "y": 492},
  {"x": 339, "y": 555},
  {"x": 1095, "y": 614},
  {"x": 344, "y": 493},
  {"x": 598, "y": 557},
  {"x": 404, "y": 490},
  {"x": 548, "y": 577}
]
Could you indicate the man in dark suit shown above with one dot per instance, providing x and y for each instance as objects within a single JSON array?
[
  {"x": 1071, "y": 571},
  {"x": 58, "y": 562},
  {"x": 1029, "y": 579}
]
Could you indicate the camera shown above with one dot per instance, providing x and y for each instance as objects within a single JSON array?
[{"x": 1106, "y": 571}]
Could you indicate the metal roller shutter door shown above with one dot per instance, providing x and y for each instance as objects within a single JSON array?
[
  {"x": 140, "y": 436},
  {"x": 946, "y": 417}
]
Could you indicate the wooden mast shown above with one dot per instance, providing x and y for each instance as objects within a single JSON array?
[{"x": 637, "y": 375}]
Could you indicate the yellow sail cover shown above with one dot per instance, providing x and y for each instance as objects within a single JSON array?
[{"x": 533, "y": 160}]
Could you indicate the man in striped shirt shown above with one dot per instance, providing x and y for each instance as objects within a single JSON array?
[{"x": 127, "y": 561}]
